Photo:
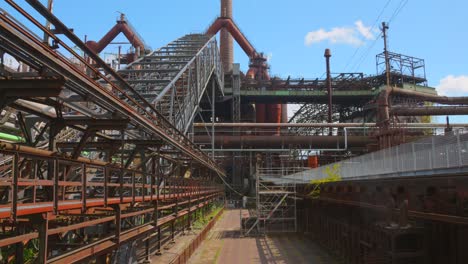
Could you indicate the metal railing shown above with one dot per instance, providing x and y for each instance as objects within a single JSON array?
[{"x": 435, "y": 155}]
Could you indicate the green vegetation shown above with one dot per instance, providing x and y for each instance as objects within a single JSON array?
[
  {"x": 29, "y": 253},
  {"x": 202, "y": 220},
  {"x": 333, "y": 174}
]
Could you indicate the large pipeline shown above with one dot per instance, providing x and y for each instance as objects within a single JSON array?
[
  {"x": 431, "y": 98},
  {"x": 317, "y": 142},
  {"x": 120, "y": 27},
  {"x": 228, "y": 24},
  {"x": 430, "y": 111},
  {"x": 324, "y": 125},
  {"x": 384, "y": 107}
]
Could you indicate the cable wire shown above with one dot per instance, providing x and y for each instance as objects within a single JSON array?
[
  {"x": 395, "y": 14},
  {"x": 371, "y": 30}
]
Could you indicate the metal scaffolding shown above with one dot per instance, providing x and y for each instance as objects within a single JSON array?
[{"x": 275, "y": 203}]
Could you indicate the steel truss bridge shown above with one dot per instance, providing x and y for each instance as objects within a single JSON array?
[{"x": 105, "y": 159}]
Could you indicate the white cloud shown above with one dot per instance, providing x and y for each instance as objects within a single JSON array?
[
  {"x": 351, "y": 35},
  {"x": 453, "y": 85},
  {"x": 366, "y": 32}
]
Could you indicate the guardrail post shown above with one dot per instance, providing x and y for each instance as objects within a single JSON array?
[
  {"x": 460, "y": 161},
  {"x": 106, "y": 179},
  {"x": 43, "y": 221},
  {"x": 118, "y": 222},
  {"x": 147, "y": 251},
  {"x": 83, "y": 186},
  {"x": 14, "y": 191},
  {"x": 56, "y": 185},
  {"x": 189, "y": 224},
  {"x": 19, "y": 247},
  {"x": 158, "y": 245},
  {"x": 133, "y": 189}
]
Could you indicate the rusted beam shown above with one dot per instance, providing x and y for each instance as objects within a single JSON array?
[
  {"x": 25, "y": 88},
  {"x": 97, "y": 124}
]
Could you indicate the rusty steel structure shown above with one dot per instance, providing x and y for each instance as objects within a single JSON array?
[
  {"x": 105, "y": 159},
  {"x": 103, "y": 165},
  {"x": 125, "y": 27}
]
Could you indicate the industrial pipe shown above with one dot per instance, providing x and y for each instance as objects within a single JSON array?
[
  {"x": 120, "y": 27},
  {"x": 13, "y": 138},
  {"x": 431, "y": 98},
  {"x": 430, "y": 111},
  {"x": 324, "y": 125},
  {"x": 235, "y": 33},
  {"x": 275, "y": 125},
  {"x": 315, "y": 142}
]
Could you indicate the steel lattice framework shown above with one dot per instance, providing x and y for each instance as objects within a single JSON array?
[
  {"x": 175, "y": 77},
  {"x": 102, "y": 158}
]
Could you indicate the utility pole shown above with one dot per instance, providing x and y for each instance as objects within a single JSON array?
[
  {"x": 329, "y": 88},
  {"x": 384, "y": 112},
  {"x": 387, "y": 61}
]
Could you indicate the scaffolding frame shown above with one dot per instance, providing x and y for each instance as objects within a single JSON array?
[{"x": 275, "y": 210}]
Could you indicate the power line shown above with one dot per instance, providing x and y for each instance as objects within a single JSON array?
[
  {"x": 371, "y": 30},
  {"x": 397, "y": 11},
  {"x": 366, "y": 53},
  {"x": 403, "y": 3}
]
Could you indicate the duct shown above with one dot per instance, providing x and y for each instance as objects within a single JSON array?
[
  {"x": 275, "y": 125},
  {"x": 430, "y": 111},
  {"x": 235, "y": 33},
  {"x": 278, "y": 142},
  {"x": 120, "y": 27},
  {"x": 40, "y": 108},
  {"x": 325, "y": 125},
  {"x": 284, "y": 113},
  {"x": 384, "y": 112},
  {"x": 431, "y": 98}
]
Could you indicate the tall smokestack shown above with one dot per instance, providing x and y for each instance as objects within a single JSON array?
[{"x": 226, "y": 41}]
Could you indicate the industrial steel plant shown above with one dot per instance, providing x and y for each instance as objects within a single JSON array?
[{"x": 175, "y": 155}]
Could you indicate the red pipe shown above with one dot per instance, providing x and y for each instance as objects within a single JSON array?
[
  {"x": 235, "y": 33},
  {"x": 260, "y": 113},
  {"x": 120, "y": 27}
]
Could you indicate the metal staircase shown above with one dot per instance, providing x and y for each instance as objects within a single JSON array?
[{"x": 175, "y": 77}]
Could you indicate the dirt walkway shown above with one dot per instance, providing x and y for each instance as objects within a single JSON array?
[{"x": 224, "y": 246}]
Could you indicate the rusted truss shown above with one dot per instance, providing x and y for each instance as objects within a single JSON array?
[{"x": 110, "y": 98}]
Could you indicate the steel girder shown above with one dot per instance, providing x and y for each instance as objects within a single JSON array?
[{"x": 111, "y": 99}]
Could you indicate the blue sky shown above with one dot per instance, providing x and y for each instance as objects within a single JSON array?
[{"x": 432, "y": 30}]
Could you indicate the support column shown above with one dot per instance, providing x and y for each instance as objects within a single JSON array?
[{"x": 43, "y": 221}]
